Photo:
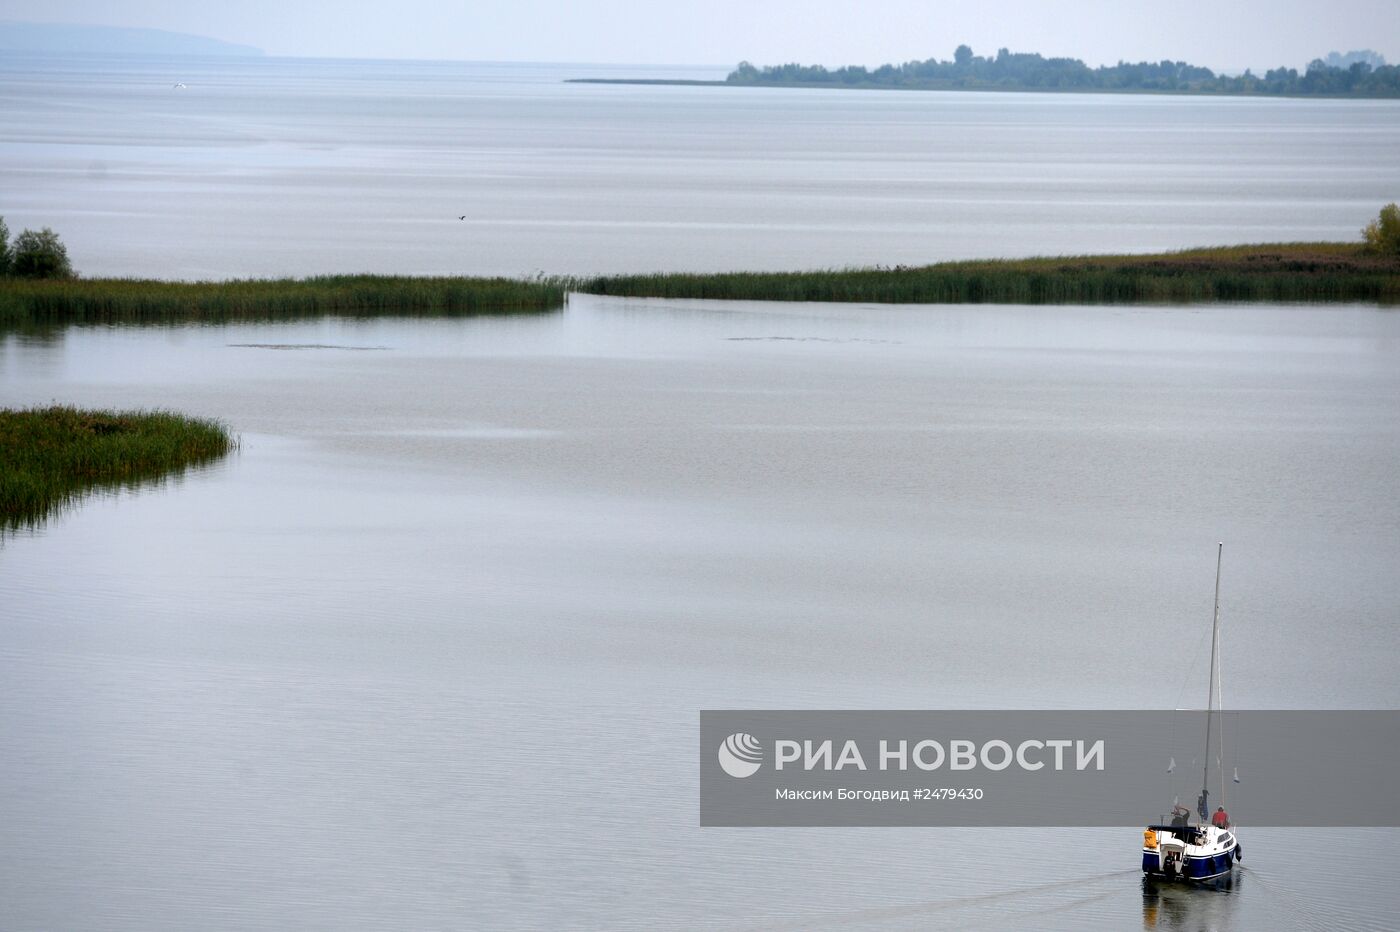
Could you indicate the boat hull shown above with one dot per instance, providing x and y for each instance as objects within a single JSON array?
[
  {"x": 1194, "y": 869},
  {"x": 1190, "y": 855}
]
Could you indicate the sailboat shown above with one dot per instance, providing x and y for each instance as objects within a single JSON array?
[{"x": 1207, "y": 849}]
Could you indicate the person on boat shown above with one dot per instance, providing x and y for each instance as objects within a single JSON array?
[
  {"x": 1221, "y": 819},
  {"x": 1181, "y": 816}
]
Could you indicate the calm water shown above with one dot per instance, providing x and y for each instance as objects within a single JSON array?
[
  {"x": 429, "y": 650},
  {"x": 293, "y": 167}
]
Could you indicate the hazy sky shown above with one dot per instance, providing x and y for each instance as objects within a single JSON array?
[{"x": 1217, "y": 33}]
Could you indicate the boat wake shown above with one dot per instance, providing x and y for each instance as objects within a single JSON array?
[{"x": 960, "y": 911}]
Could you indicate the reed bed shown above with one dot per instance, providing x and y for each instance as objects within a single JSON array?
[
  {"x": 1289, "y": 272},
  {"x": 49, "y": 457},
  {"x": 136, "y": 301}
]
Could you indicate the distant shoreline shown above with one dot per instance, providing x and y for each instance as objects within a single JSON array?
[
  {"x": 989, "y": 89},
  {"x": 679, "y": 82},
  {"x": 1358, "y": 75}
]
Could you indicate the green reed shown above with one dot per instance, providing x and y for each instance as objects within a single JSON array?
[
  {"x": 137, "y": 301},
  {"x": 1285, "y": 272},
  {"x": 49, "y": 457}
]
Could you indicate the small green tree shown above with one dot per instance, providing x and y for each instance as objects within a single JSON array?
[
  {"x": 40, "y": 255},
  {"x": 1382, "y": 235},
  {"x": 4, "y": 249}
]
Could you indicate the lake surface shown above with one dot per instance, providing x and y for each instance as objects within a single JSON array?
[
  {"x": 429, "y": 650},
  {"x": 287, "y": 167}
]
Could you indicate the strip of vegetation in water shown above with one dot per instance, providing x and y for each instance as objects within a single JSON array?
[
  {"x": 50, "y": 457},
  {"x": 25, "y": 302},
  {"x": 1356, "y": 74},
  {"x": 1284, "y": 272}
]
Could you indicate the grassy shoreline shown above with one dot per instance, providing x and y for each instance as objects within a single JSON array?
[
  {"x": 51, "y": 457},
  {"x": 1278, "y": 272},
  {"x": 127, "y": 300},
  {"x": 1301, "y": 272}
]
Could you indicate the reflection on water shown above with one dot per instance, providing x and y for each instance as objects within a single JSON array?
[
  {"x": 1192, "y": 908},
  {"x": 114, "y": 489},
  {"x": 430, "y": 651}
]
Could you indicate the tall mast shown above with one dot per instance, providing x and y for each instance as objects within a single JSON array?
[{"x": 1204, "y": 809}]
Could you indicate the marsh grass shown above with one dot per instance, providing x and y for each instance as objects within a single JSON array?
[
  {"x": 50, "y": 457},
  {"x": 136, "y": 301},
  {"x": 1285, "y": 272}
]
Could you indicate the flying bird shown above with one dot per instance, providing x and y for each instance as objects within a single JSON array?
[{"x": 463, "y": 217}]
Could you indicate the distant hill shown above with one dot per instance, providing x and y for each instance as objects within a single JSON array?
[{"x": 61, "y": 37}]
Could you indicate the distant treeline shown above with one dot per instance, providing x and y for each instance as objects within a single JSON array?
[{"x": 1030, "y": 71}]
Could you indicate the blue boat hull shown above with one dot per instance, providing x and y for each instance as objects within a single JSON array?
[{"x": 1209, "y": 867}]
